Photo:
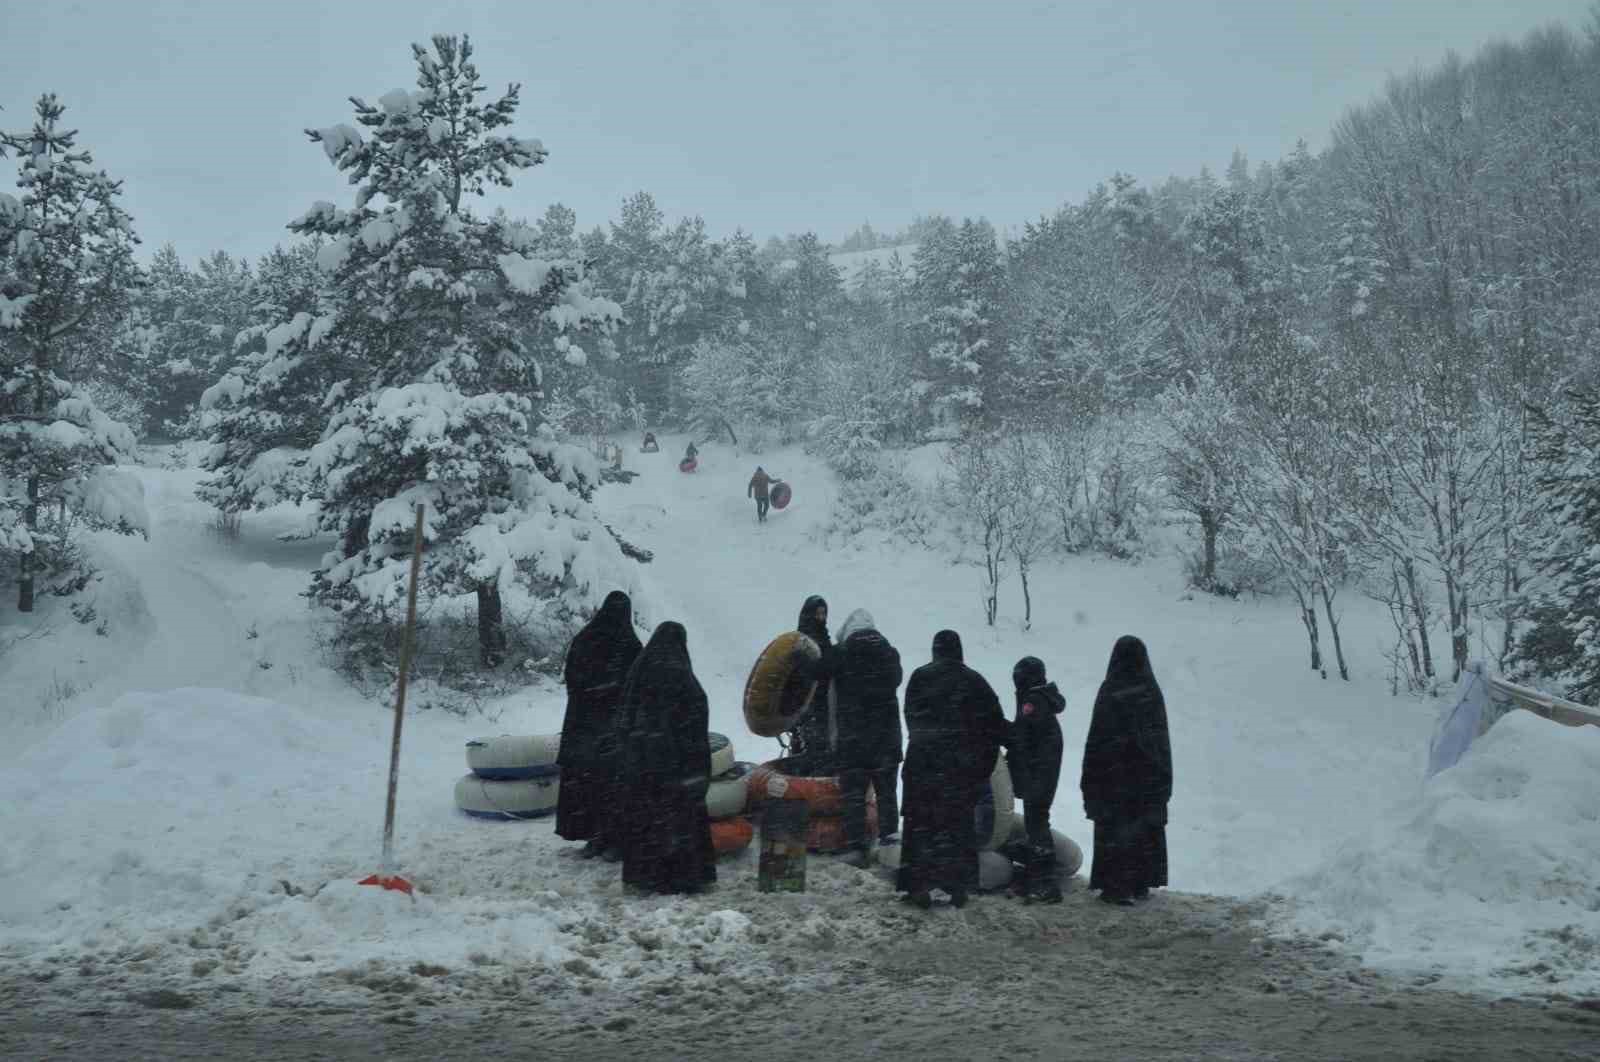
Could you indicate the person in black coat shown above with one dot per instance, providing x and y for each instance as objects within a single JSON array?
[
  {"x": 597, "y": 665},
  {"x": 666, "y": 770},
  {"x": 1127, "y": 778},
  {"x": 864, "y": 730},
  {"x": 956, "y": 730},
  {"x": 1035, "y": 762},
  {"x": 808, "y": 741}
]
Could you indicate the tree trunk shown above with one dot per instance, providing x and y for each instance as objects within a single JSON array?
[
  {"x": 1333, "y": 628},
  {"x": 1027, "y": 598},
  {"x": 30, "y": 519},
  {"x": 491, "y": 625},
  {"x": 1419, "y": 613},
  {"x": 355, "y": 536},
  {"x": 1308, "y": 617},
  {"x": 1208, "y": 530}
]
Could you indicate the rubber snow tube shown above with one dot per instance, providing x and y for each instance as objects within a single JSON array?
[
  {"x": 688, "y": 464},
  {"x": 1069, "y": 857},
  {"x": 826, "y": 833},
  {"x": 487, "y": 798},
  {"x": 731, "y": 835},
  {"x": 775, "y": 694},
  {"x": 512, "y": 758},
  {"x": 770, "y": 781},
  {"x": 726, "y": 795},
  {"x": 992, "y": 820},
  {"x": 721, "y": 754},
  {"x": 994, "y": 871},
  {"x": 780, "y": 495}
]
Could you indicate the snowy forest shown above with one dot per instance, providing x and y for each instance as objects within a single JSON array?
[{"x": 1363, "y": 371}]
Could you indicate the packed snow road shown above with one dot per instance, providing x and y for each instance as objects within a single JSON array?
[{"x": 1183, "y": 977}]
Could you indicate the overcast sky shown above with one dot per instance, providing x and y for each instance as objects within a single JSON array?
[{"x": 774, "y": 116}]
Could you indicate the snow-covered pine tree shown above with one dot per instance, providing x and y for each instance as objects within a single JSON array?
[
  {"x": 431, "y": 307},
  {"x": 66, "y": 271},
  {"x": 959, "y": 286},
  {"x": 1561, "y": 644}
]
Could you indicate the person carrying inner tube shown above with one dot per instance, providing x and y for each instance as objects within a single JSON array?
[
  {"x": 956, "y": 730},
  {"x": 808, "y": 740},
  {"x": 649, "y": 445},
  {"x": 1035, "y": 761},
  {"x": 597, "y": 665},
  {"x": 760, "y": 488},
  {"x": 667, "y": 769}
]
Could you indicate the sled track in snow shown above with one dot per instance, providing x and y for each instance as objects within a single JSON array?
[{"x": 1179, "y": 978}]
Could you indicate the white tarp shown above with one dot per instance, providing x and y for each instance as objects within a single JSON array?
[{"x": 1462, "y": 722}]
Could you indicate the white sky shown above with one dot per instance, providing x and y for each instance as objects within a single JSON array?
[{"x": 774, "y": 116}]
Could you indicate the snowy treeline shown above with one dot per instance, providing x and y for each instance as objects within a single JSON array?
[{"x": 1332, "y": 368}]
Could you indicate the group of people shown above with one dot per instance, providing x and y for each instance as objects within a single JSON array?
[{"x": 635, "y": 758}]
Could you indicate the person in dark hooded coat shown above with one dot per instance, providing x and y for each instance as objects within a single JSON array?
[
  {"x": 956, "y": 729},
  {"x": 666, "y": 770},
  {"x": 597, "y": 665},
  {"x": 808, "y": 741},
  {"x": 864, "y": 730},
  {"x": 1035, "y": 761},
  {"x": 1127, "y": 777}
]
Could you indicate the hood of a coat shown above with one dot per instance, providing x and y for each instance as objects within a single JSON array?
[
  {"x": 1028, "y": 673},
  {"x": 857, "y": 621},
  {"x": 947, "y": 646}
]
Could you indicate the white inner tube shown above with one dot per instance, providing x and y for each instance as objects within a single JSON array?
[
  {"x": 511, "y": 757},
  {"x": 725, "y": 796},
  {"x": 488, "y": 798}
]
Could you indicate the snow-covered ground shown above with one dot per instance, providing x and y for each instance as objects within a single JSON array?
[{"x": 195, "y": 789}]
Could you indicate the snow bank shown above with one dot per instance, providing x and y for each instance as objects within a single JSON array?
[{"x": 1492, "y": 875}]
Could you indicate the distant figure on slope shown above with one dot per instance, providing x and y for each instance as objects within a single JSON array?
[
  {"x": 956, "y": 730},
  {"x": 864, "y": 731},
  {"x": 1035, "y": 760},
  {"x": 1127, "y": 778},
  {"x": 650, "y": 446},
  {"x": 759, "y": 488},
  {"x": 809, "y": 738},
  {"x": 692, "y": 453},
  {"x": 666, "y": 770},
  {"x": 597, "y": 665}
]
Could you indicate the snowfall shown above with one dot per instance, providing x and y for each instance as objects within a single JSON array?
[{"x": 185, "y": 779}]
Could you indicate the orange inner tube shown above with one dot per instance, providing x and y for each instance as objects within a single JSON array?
[
  {"x": 821, "y": 793},
  {"x": 825, "y": 833},
  {"x": 731, "y": 835}
]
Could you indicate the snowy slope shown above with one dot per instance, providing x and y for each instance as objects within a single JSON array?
[{"x": 214, "y": 790}]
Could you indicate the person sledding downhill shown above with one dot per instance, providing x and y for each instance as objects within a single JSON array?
[{"x": 760, "y": 489}]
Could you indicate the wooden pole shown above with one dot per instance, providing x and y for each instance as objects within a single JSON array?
[{"x": 400, "y": 696}]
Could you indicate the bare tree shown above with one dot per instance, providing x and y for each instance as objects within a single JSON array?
[{"x": 976, "y": 487}]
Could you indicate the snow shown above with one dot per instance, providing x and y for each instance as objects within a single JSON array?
[
  {"x": 114, "y": 496},
  {"x": 196, "y": 783},
  {"x": 524, "y": 274}
]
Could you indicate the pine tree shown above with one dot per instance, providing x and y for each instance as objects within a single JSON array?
[
  {"x": 1562, "y": 641},
  {"x": 66, "y": 273},
  {"x": 432, "y": 377},
  {"x": 959, "y": 288}
]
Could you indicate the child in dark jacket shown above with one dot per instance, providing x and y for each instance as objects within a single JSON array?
[{"x": 1035, "y": 760}]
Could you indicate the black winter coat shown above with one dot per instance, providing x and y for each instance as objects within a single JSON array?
[
  {"x": 1127, "y": 758},
  {"x": 596, "y": 668},
  {"x": 812, "y": 729},
  {"x": 955, "y": 725},
  {"x": 1035, "y": 755},
  {"x": 865, "y": 707}
]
